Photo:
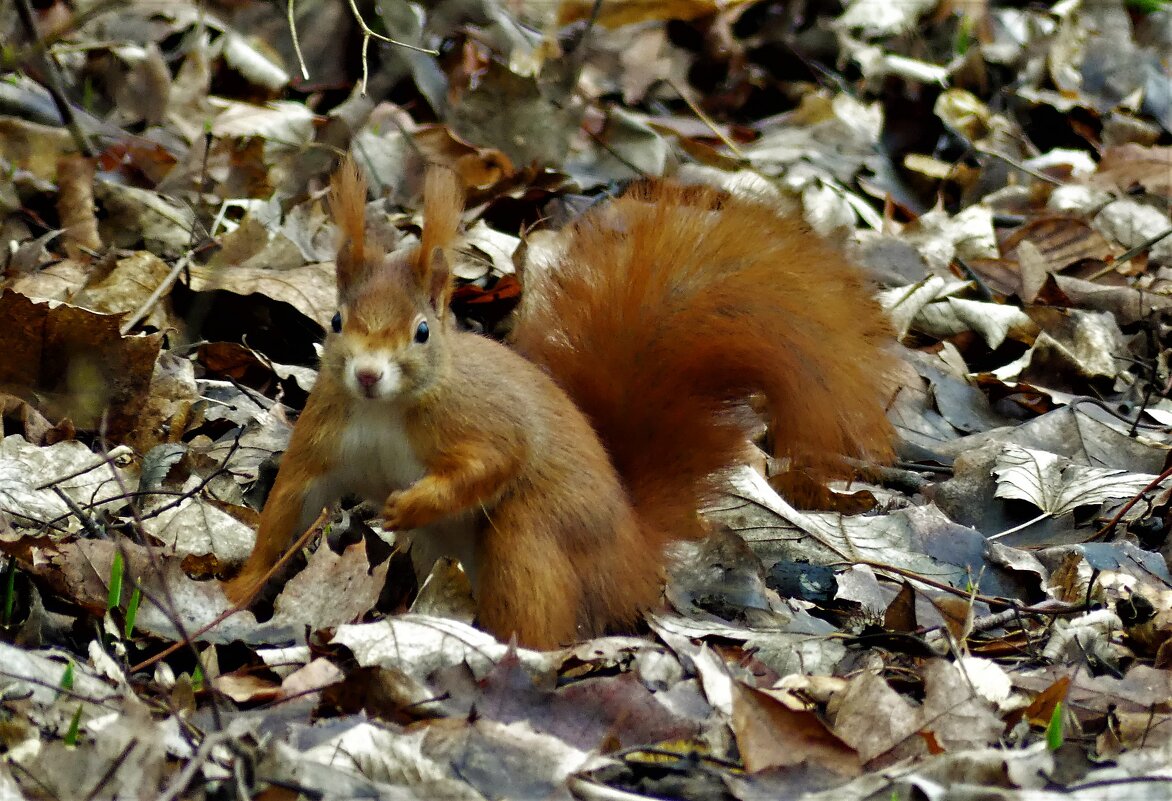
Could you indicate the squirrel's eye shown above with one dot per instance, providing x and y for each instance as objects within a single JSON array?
[
  {"x": 422, "y": 332},
  {"x": 336, "y": 323}
]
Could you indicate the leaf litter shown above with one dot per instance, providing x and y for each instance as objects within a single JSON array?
[{"x": 989, "y": 618}]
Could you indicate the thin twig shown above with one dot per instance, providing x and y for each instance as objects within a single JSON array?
[
  {"x": 74, "y": 695},
  {"x": 164, "y": 287},
  {"x": 223, "y": 468},
  {"x": 1145, "y": 245},
  {"x": 986, "y": 599},
  {"x": 296, "y": 40},
  {"x": 86, "y": 521},
  {"x": 114, "y": 454},
  {"x": 89, "y": 506},
  {"x": 179, "y": 784},
  {"x": 704, "y": 118},
  {"x": 165, "y": 604},
  {"x": 368, "y": 34},
  {"x": 77, "y": 20},
  {"x": 272, "y": 571},
  {"x": 1017, "y": 165},
  {"x": 48, "y": 67},
  {"x": 1018, "y": 527},
  {"x": 366, "y": 31},
  {"x": 1114, "y": 521},
  {"x": 1131, "y": 254},
  {"x": 112, "y": 769}
]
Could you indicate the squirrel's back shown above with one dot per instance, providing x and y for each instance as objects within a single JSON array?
[{"x": 669, "y": 308}]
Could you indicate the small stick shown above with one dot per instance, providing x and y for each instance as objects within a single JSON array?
[{"x": 280, "y": 563}]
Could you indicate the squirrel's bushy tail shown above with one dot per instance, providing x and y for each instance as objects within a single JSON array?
[{"x": 670, "y": 308}]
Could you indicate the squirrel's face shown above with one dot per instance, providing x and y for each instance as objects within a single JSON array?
[{"x": 384, "y": 345}]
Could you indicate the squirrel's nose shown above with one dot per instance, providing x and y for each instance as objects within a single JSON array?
[{"x": 367, "y": 378}]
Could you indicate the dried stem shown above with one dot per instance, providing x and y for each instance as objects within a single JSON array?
[{"x": 48, "y": 67}]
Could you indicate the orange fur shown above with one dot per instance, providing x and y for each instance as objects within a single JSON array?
[
  {"x": 348, "y": 207},
  {"x": 671, "y": 306},
  {"x": 442, "y": 202},
  {"x": 557, "y": 481}
]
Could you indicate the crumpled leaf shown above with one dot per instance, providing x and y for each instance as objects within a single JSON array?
[
  {"x": 420, "y": 645},
  {"x": 29, "y": 473},
  {"x": 76, "y": 362},
  {"x": 1058, "y": 486}
]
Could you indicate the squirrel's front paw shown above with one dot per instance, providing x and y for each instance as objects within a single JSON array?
[{"x": 399, "y": 513}]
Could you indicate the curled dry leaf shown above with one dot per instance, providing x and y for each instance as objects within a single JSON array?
[
  {"x": 76, "y": 361},
  {"x": 1058, "y": 486},
  {"x": 75, "y": 205},
  {"x": 32, "y": 477},
  {"x": 1129, "y": 166},
  {"x": 770, "y": 735}
]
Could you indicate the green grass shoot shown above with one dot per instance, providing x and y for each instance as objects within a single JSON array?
[
  {"x": 74, "y": 727},
  {"x": 114, "y": 597},
  {"x": 963, "y": 39},
  {"x": 132, "y": 612},
  {"x": 67, "y": 677},
  {"x": 1054, "y": 738}
]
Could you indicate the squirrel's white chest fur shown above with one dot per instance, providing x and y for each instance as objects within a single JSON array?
[
  {"x": 375, "y": 455},
  {"x": 375, "y": 458}
]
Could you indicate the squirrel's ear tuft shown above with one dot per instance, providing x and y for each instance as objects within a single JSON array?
[
  {"x": 443, "y": 201},
  {"x": 348, "y": 208},
  {"x": 439, "y": 281}
]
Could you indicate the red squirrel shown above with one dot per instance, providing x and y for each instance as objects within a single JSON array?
[{"x": 557, "y": 470}]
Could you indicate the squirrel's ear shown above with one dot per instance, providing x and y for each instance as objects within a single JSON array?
[
  {"x": 443, "y": 200},
  {"x": 439, "y": 281},
  {"x": 348, "y": 208}
]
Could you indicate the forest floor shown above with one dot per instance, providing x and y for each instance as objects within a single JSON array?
[{"x": 989, "y": 617}]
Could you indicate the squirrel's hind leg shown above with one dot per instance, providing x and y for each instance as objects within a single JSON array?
[
  {"x": 526, "y": 584},
  {"x": 617, "y": 589}
]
